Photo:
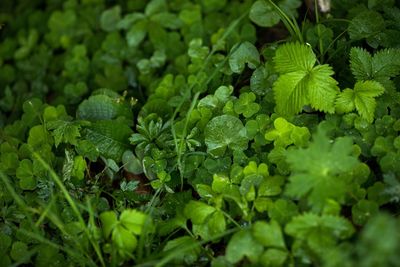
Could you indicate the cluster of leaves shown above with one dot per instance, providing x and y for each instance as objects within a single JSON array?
[{"x": 159, "y": 133}]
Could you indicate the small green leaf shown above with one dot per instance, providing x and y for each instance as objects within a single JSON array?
[
  {"x": 363, "y": 211},
  {"x": 282, "y": 211},
  {"x": 124, "y": 240},
  {"x": 133, "y": 220},
  {"x": 269, "y": 234},
  {"x": 79, "y": 168},
  {"x": 242, "y": 244},
  {"x": 245, "y": 53},
  {"x": 109, "y": 221},
  {"x": 109, "y": 18},
  {"x": 198, "y": 211},
  {"x": 103, "y": 107},
  {"x": 367, "y": 24},
  {"x": 274, "y": 257},
  {"x": 19, "y": 252},
  {"x": 365, "y": 93},
  {"x": 26, "y": 175},
  {"x": 131, "y": 163},
  {"x": 223, "y": 132},
  {"x": 109, "y": 137},
  {"x": 345, "y": 101},
  {"x": 264, "y": 14},
  {"x": 245, "y": 105}
]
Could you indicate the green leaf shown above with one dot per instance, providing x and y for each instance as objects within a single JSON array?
[
  {"x": 367, "y": 24},
  {"x": 363, "y": 211},
  {"x": 319, "y": 232},
  {"x": 133, "y": 221},
  {"x": 274, "y": 257},
  {"x": 155, "y": 6},
  {"x": 137, "y": 33},
  {"x": 103, "y": 107},
  {"x": 25, "y": 173},
  {"x": 109, "y": 221},
  {"x": 185, "y": 249},
  {"x": 241, "y": 245},
  {"x": 264, "y": 14},
  {"x": 131, "y": 163},
  {"x": 316, "y": 170},
  {"x": 109, "y": 137},
  {"x": 223, "y": 132},
  {"x": 245, "y": 105},
  {"x": 220, "y": 182},
  {"x": 379, "y": 243},
  {"x": 300, "y": 83},
  {"x": 216, "y": 223},
  {"x": 124, "y": 240},
  {"x": 246, "y": 52},
  {"x": 380, "y": 67},
  {"x": 79, "y": 168},
  {"x": 109, "y": 18},
  {"x": 282, "y": 211},
  {"x": 19, "y": 252},
  {"x": 293, "y": 57},
  {"x": 269, "y": 234},
  {"x": 198, "y": 211},
  {"x": 291, "y": 93},
  {"x": 322, "y": 88},
  {"x": 65, "y": 131},
  {"x": 364, "y": 98},
  {"x": 345, "y": 101},
  {"x": 361, "y": 63}
]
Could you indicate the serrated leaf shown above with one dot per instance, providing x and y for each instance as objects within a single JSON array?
[
  {"x": 345, "y": 101},
  {"x": 315, "y": 170},
  {"x": 109, "y": 137},
  {"x": 322, "y": 88},
  {"x": 293, "y": 57},
  {"x": 364, "y": 98},
  {"x": 367, "y": 24},
  {"x": 361, "y": 63},
  {"x": 103, "y": 107},
  {"x": 291, "y": 93},
  {"x": 64, "y": 131},
  {"x": 304, "y": 225},
  {"x": 300, "y": 83}
]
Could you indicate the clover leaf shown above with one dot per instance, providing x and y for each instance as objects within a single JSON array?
[
  {"x": 223, "y": 132},
  {"x": 245, "y": 105},
  {"x": 246, "y": 52}
]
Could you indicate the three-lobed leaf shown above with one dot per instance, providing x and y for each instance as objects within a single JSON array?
[{"x": 300, "y": 82}]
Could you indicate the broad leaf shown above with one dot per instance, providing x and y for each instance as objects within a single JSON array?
[
  {"x": 300, "y": 83},
  {"x": 315, "y": 170},
  {"x": 223, "y": 132},
  {"x": 109, "y": 137}
]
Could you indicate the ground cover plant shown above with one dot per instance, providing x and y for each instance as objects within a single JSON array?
[{"x": 199, "y": 133}]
